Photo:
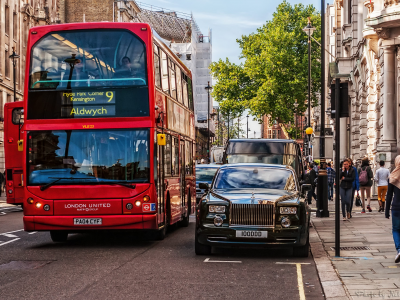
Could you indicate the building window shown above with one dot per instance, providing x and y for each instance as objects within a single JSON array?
[
  {"x": 179, "y": 84},
  {"x": 350, "y": 4},
  {"x": 7, "y": 19},
  {"x": 331, "y": 25},
  {"x": 269, "y": 133},
  {"x": 7, "y": 64},
  {"x": 172, "y": 79},
  {"x": 15, "y": 24}
]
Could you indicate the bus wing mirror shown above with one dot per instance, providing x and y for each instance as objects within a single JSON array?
[
  {"x": 203, "y": 186},
  {"x": 161, "y": 140}
]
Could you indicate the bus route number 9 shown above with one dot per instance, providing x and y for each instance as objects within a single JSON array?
[{"x": 110, "y": 96}]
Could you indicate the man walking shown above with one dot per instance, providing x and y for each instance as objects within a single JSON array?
[
  {"x": 331, "y": 181},
  {"x": 381, "y": 179},
  {"x": 311, "y": 180},
  {"x": 356, "y": 187}
]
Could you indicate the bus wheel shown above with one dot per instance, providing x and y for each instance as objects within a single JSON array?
[
  {"x": 59, "y": 236},
  {"x": 185, "y": 220}
]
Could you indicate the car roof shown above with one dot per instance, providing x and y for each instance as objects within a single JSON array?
[
  {"x": 208, "y": 166},
  {"x": 261, "y": 165}
]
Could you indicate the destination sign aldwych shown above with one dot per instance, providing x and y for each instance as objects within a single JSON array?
[{"x": 88, "y": 104}]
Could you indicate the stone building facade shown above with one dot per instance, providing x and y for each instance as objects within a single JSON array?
[
  {"x": 367, "y": 48},
  {"x": 16, "y": 17}
]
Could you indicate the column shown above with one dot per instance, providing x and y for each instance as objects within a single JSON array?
[
  {"x": 343, "y": 139},
  {"x": 389, "y": 105}
]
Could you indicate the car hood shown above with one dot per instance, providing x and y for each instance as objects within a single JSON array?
[{"x": 254, "y": 196}]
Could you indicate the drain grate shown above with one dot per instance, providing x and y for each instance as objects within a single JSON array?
[{"x": 358, "y": 248}]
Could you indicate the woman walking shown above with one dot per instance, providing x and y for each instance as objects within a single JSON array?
[
  {"x": 394, "y": 188},
  {"x": 381, "y": 178},
  {"x": 365, "y": 178},
  {"x": 346, "y": 188}
]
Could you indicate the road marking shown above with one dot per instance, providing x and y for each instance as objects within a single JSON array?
[
  {"x": 207, "y": 260},
  {"x": 9, "y": 242},
  {"x": 299, "y": 277},
  {"x": 9, "y": 235},
  {"x": 3, "y": 213},
  {"x": 32, "y": 232},
  {"x": 12, "y": 231}
]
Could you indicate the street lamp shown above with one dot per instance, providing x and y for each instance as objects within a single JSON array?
[
  {"x": 208, "y": 88},
  {"x": 247, "y": 126},
  {"x": 296, "y": 105},
  {"x": 14, "y": 56}
]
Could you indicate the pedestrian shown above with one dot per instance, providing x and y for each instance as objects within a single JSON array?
[
  {"x": 346, "y": 187},
  {"x": 381, "y": 178},
  {"x": 331, "y": 180},
  {"x": 1, "y": 181},
  {"x": 365, "y": 176},
  {"x": 311, "y": 180},
  {"x": 393, "y": 193},
  {"x": 356, "y": 187}
]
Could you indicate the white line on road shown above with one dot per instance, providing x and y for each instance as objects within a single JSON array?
[
  {"x": 9, "y": 242},
  {"x": 299, "y": 277},
  {"x": 207, "y": 260},
  {"x": 3, "y": 213},
  {"x": 9, "y": 235},
  {"x": 32, "y": 232},
  {"x": 12, "y": 231}
]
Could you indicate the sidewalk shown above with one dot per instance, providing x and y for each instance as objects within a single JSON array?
[{"x": 365, "y": 274}]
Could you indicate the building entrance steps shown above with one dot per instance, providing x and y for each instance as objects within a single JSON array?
[{"x": 362, "y": 274}]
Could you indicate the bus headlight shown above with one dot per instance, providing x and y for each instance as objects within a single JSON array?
[
  {"x": 38, "y": 205},
  {"x": 146, "y": 198},
  {"x": 138, "y": 203},
  {"x": 30, "y": 200}
]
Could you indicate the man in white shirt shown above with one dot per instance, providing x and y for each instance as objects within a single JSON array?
[{"x": 381, "y": 177}]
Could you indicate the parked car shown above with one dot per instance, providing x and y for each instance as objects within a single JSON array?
[
  {"x": 204, "y": 174},
  {"x": 253, "y": 205}
]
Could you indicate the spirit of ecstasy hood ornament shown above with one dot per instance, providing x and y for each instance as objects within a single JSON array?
[{"x": 252, "y": 197}]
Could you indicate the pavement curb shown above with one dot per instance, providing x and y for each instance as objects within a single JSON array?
[{"x": 331, "y": 283}]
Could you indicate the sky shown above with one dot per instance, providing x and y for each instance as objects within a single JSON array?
[{"x": 228, "y": 20}]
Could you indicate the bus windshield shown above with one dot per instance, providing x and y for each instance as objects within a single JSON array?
[
  {"x": 88, "y": 157},
  {"x": 94, "y": 73},
  {"x": 87, "y": 58}
]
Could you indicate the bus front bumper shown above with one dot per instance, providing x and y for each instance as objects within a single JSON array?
[{"x": 46, "y": 223}]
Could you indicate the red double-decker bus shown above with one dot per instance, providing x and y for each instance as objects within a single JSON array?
[{"x": 101, "y": 99}]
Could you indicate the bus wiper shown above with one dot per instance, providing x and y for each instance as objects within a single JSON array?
[
  {"x": 121, "y": 183},
  {"x": 57, "y": 179}
]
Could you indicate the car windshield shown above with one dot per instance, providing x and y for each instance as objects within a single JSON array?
[
  {"x": 205, "y": 174},
  {"x": 88, "y": 58},
  {"x": 255, "y": 178},
  {"x": 88, "y": 156}
]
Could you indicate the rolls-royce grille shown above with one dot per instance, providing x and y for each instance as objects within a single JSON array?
[{"x": 252, "y": 214}]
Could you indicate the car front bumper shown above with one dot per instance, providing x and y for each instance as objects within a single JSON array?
[{"x": 294, "y": 236}]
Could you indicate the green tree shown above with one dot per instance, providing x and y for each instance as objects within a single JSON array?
[{"x": 274, "y": 71}]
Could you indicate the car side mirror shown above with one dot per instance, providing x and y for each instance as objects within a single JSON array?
[
  {"x": 305, "y": 188},
  {"x": 204, "y": 186}
]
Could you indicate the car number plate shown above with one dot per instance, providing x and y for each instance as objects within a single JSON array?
[
  {"x": 88, "y": 221},
  {"x": 251, "y": 234}
]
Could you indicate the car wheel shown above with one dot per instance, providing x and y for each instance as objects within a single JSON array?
[
  {"x": 59, "y": 236},
  {"x": 302, "y": 251},
  {"x": 201, "y": 249}
]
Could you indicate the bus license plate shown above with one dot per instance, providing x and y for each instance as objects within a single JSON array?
[
  {"x": 87, "y": 221},
  {"x": 251, "y": 234}
]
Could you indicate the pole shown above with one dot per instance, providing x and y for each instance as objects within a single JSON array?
[
  {"x": 247, "y": 126},
  {"x": 322, "y": 190},
  {"x": 219, "y": 129},
  {"x": 337, "y": 167},
  {"x": 208, "y": 123},
  {"x": 309, "y": 79},
  {"x": 239, "y": 127},
  {"x": 228, "y": 125},
  {"x": 14, "y": 67}
]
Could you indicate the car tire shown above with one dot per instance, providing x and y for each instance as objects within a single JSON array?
[
  {"x": 201, "y": 249},
  {"x": 302, "y": 251},
  {"x": 59, "y": 236}
]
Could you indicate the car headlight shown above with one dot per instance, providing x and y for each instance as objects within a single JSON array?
[
  {"x": 216, "y": 209},
  {"x": 285, "y": 221},
  {"x": 288, "y": 210}
]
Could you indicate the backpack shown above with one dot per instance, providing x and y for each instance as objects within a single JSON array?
[{"x": 363, "y": 177}]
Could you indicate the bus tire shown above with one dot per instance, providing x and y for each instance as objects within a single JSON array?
[
  {"x": 58, "y": 236},
  {"x": 162, "y": 233},
  {"x": 185, "y": 220}
]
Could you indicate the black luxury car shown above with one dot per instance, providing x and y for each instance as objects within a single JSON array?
[{"x": 253, "y": 205}]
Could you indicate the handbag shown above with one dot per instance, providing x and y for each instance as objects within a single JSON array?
[{"x": 358, "y": 200}]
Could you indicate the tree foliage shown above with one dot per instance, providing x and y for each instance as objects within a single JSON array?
[{"x": 274, "y": 71}]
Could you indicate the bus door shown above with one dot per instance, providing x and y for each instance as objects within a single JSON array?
[
  {"x": 160, "y": 185},
  {"x": 182, "y": 174},
  {"x": 14, "y": 158}
]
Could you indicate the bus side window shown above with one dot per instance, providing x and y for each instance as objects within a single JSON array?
[
  {"x": 167, "y": 156},
  {"x": 175, "y": 157}
]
